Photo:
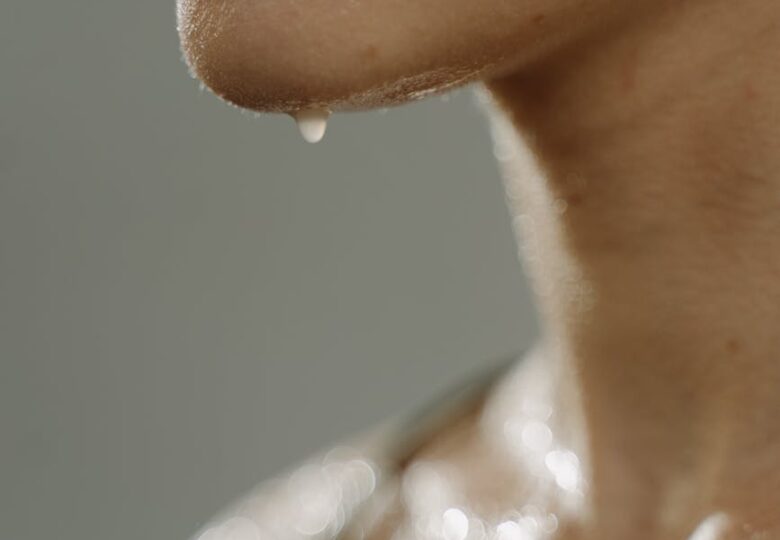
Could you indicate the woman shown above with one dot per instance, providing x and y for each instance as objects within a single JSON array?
[{"x": 641, "y": 147}]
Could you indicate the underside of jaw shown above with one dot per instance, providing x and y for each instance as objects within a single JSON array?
[
  {"x": 276, "y": 57},
  {"x": 285, "y": 56},
  {"x": 310, "y": 90},
  {"x": 262, "y": 89},
  {"x": 310, "y": 59},
  {"x": 311, "y": 107}
]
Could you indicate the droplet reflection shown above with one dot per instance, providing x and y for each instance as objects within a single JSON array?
[
  {"x": 565, "y": 467},
  {"x": 711, "y": 528},
  {"x": 512, "y": 530},
  {"x": 455, "y": 524}
]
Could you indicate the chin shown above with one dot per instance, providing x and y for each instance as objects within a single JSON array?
[{"x": 287, "y": 55}]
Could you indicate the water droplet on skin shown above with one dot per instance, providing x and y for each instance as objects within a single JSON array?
[
  {"x": 510, "y": 530},
  {"x": 312, "y": 123},
  {"x": 711, "y": 528},
  {"x": 565, "y": 467},
  {"x": 455, "y": 524}
]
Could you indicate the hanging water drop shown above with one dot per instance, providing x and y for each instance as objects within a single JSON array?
[{"x": 312, "y": 123}]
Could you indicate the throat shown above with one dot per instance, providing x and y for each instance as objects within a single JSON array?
[{"x": 647, "y": 204}]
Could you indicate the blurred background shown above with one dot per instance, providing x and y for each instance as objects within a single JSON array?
[{"x": 192, "y": 298}]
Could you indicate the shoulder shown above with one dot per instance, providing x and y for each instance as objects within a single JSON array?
[
  {"x": 316, "y": 499},
  {"x": 354, "y": 487}
]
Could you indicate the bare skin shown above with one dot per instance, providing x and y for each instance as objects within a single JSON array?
[{"x": 650, "y": 206}]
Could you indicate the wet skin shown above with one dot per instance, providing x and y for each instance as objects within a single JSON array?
[{"x": 639, "y": 143}]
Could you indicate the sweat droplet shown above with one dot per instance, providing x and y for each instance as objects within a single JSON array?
[
  {"x": 312, "y": 123},
  {"x": 711, "y": 528},
  {"x": 455, "y": 525}
]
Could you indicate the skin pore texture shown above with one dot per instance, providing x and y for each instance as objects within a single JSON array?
[{"x": 640, "y": 144}]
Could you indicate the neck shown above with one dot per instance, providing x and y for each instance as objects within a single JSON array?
[{"x": 644, "y": 173}]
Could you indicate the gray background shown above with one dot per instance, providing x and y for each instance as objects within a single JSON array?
[{"x": 192, "y": 299}]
